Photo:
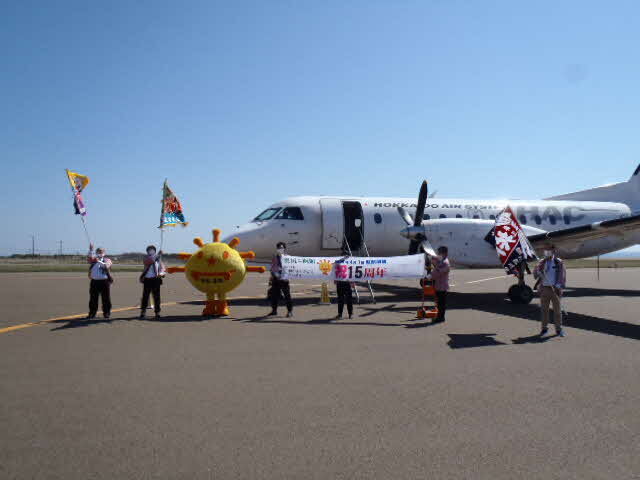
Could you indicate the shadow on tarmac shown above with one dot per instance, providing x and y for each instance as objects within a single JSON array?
[
  {"x": 400, "y": 299},
  {"x": 533, "y": 339},
  {"x": 471, "y": 340},
  {"x": 496, "y": 303}
]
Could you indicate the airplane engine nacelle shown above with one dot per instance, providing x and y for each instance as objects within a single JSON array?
[{"x": 465, "y": 239}]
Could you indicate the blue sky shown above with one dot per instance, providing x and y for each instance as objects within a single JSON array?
[{"x": 241, "y": 104}]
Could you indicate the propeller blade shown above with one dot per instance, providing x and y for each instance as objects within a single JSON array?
[
  {"x": 405, "y": 216},
  {"x": 413, "y": 247},
  {"x": 428, "y": 249},
  {"x": 422, "y": 201}
]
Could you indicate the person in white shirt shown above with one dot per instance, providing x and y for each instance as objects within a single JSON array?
[
  {"x": 151, "y": 279},
  {"x": 101, "y": 280},
  {"x": 279, "y": 282},
  {"x": 552, "y": 277}
]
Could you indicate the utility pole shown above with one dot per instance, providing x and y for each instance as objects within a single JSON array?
[
  {"x": 60, "y": 249},
  {"x": 33, "y": 245}
]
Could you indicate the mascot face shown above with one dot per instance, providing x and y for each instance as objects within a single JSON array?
[{"x": 215, "y": 268}]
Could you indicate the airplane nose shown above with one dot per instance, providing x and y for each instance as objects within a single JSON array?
[{"x": 249, "y": 240}]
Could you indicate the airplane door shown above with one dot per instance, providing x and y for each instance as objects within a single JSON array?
[
  {"x": 353, "y": 225},
  {"x": 332, "y": 223}
]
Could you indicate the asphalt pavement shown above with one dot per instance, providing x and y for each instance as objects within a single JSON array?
[{"x": 379, "y": 396}]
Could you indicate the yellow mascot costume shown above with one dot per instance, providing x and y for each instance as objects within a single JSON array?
[{"x": 216, "y": 269}]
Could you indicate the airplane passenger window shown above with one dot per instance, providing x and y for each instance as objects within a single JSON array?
[
  {"x": 492, "y": 217},
  {"x": 458, "y": 215},
  {"x": 377, "y": 218},
  {"x": 567, "y": 219},
  {"x": 290, "y": 213},
  {"x": 523, "y": 219},
  {"x": 476, "y": 216},
  {"x": 537, "y": 219},
  {"x": 442, "y": 215},
  {"x": 267, "y": 214},
  {"x": 552, "y": 219}
]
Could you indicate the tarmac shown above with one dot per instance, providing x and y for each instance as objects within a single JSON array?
[{"x": 379, "y": 396}]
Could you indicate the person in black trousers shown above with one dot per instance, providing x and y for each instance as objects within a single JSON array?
[
  {"x": 101, "y": 280},
  {"x": 343, "y": 290},
  {"x": 279, "y": 282},
  {"x": 151, "y": 279}
]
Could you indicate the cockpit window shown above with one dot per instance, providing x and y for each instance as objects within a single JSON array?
[
  {"x": 291, "y": 213},
  {"x": 267, "y": 214}
]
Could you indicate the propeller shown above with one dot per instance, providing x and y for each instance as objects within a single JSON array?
[{"x": 415, "y": 230}]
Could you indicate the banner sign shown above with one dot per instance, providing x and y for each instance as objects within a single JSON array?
[
  {"x": 512, "y": 244},
  {"x": 353, "y": 269},
  {"x": 171, "y": 214}
]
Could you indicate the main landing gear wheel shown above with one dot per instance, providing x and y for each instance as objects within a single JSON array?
[{"x": 522, "y": 294}]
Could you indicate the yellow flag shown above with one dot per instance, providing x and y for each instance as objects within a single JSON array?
[{"x": 78, "y": 182}]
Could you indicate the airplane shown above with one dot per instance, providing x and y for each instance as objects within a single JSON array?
[{"x": 581, "y": 224}]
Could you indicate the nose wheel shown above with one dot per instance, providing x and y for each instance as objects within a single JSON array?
[{"x": 520, "y": 294}]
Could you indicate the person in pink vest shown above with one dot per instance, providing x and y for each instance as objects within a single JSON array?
[{"x": 440, "y": 277}]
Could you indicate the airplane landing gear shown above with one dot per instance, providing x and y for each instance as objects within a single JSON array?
[{"x": 521, "y": 293}]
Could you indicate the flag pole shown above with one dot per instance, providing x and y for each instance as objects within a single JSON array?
[
  {"x": 161, "y": 227},
  {"x": 73, "y": 194},
  {"x": 86, "y": 231}
]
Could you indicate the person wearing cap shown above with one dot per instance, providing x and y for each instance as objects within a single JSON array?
[
  {"x": 279, "y": 282},
  {"x": 551, "y": 274},
  {"x": 151, "y": 279},
  {"x": 343, "y": 291},
  {"x": 101, "y": 280},
  {"x": 440, "y": 277}
]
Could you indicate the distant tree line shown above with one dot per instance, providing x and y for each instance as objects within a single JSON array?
[{"x": 127, "y": 257}]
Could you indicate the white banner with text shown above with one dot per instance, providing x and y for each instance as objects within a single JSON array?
[{"x": 353, "y": 269}]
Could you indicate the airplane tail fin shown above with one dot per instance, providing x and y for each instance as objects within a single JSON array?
[{"x": 624, "y": 192}]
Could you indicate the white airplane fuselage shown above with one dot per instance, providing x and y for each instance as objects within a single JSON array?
[{"x": 320, "y": 226}]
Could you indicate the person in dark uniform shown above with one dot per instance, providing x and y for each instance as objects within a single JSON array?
[
  {"x": 343, "y": 291},
  {"x": 151, "y": 279},
  {"x": 279, "y": 282},
  {"x": 101, "y": 280}
]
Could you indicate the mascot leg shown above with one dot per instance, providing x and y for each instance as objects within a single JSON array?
[
  {"x": 210, "y": 306},
  {"x": 223, "y": 305}
]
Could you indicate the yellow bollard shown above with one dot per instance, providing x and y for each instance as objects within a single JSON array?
[{"x": 324, "y": 296}]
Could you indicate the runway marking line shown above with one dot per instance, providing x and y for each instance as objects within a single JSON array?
[
  {"x": 122, "y": 309},
  {"x": 83, "y": 315},
  {"x": 487, "y": 279},
  {"x": 68, "y": 317}
]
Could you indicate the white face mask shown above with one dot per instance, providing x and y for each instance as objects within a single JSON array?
[
  {"x": 280, "y": 251},
  {"x": 548, "y": 253}
]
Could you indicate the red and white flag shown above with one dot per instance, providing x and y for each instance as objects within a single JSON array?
[{"x": 512, "y": 244}]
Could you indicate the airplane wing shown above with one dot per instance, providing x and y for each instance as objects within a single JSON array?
[{"x": 570, "y": 237}]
